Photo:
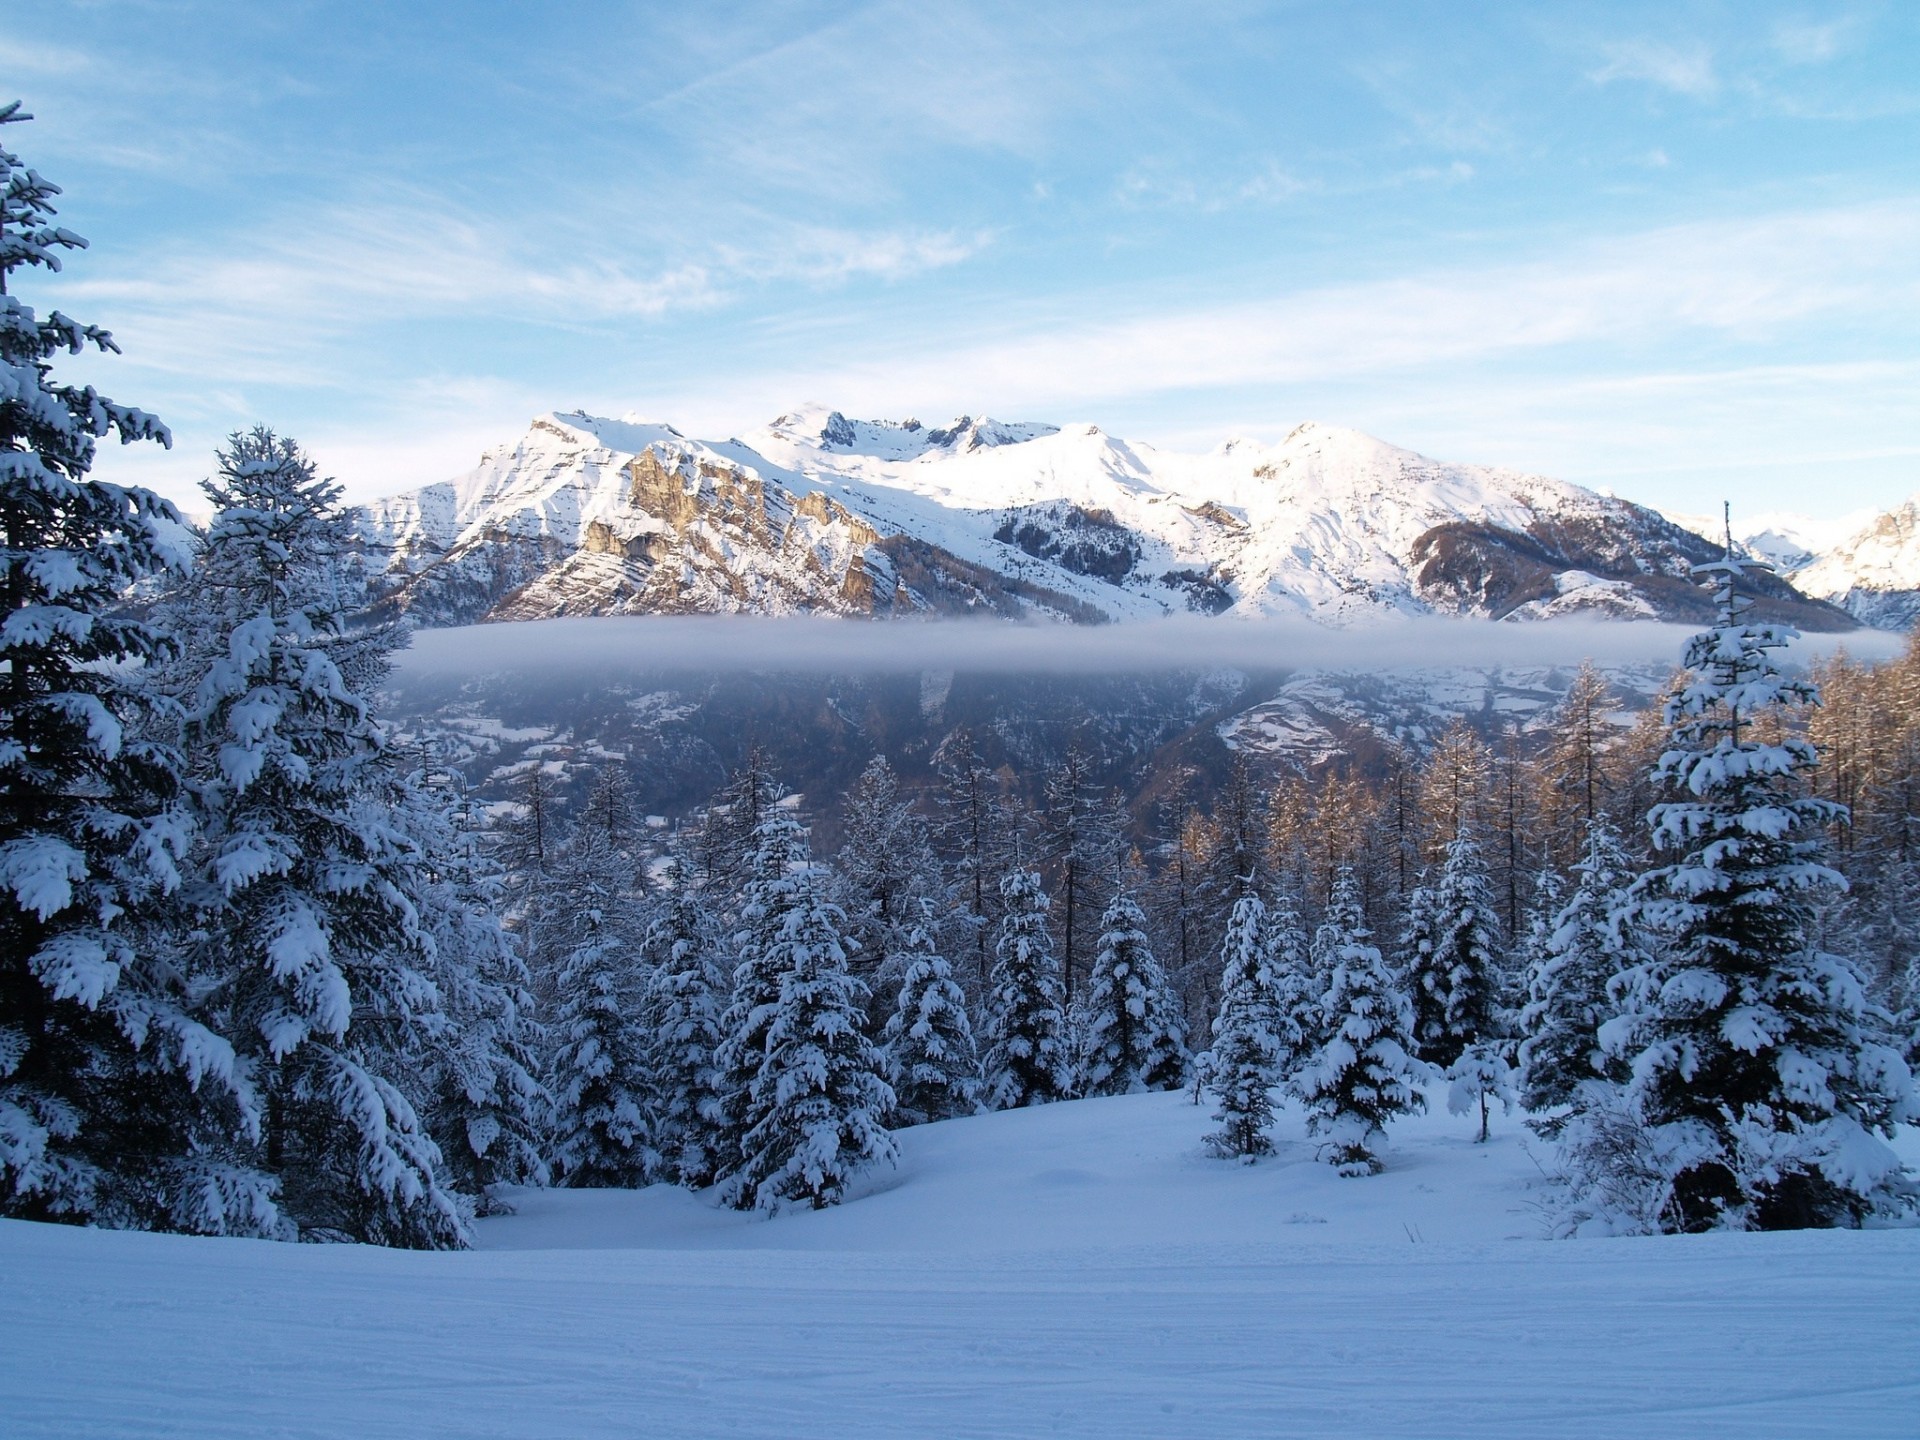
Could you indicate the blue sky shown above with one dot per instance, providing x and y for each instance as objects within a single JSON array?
[{"x": 1671, "y": 248}]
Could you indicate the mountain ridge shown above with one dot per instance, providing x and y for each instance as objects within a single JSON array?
[{"x": 815, "y": 512}]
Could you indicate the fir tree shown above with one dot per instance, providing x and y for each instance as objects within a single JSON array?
[
  {"x": 599, "y": 1072},
  {"x": 1243, "y": 1065},
  {"x": 117, "y": 1104},
  {"x": 1297, "y": 999},
  {"x": 1755, "y": 1059},
  {"x": 817, "y": 1105},
  {"x": 886, "y": 869},
  {"x": 1365, "y": 1074},
  {"x": 311, "y": 946},
  {"x": 780, "y": 855},
  {"x": 1133, "y": 1038},
  {"x": 1452, "y": 969},
  {"x": 681, "y": 1013},
  {"x": 930, "y": 1057},
  {"x": 1027, "y": 1061},
  {"x": 966, "y": 835},
  {"x": 487, "y": 1109},
  {"x": 1586, "y": 945}
]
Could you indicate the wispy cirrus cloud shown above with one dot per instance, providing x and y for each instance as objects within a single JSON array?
[
  {"x": 1742, "y": 277},
  {"x": 1684, "y": 68}
]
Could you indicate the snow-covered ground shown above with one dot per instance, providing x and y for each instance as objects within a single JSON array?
[{"x": 1082, "y": 1269}]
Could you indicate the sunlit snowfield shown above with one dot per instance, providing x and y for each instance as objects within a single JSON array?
[{"x": 1080, "y": 1269}]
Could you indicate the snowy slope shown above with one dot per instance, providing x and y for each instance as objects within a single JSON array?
[
  {"x": 1874, "y": 573},
  {"x": 815, "y": 512},
  {"x": 1080, "y": 1270},
  {"x": 1866, "y": 563}
]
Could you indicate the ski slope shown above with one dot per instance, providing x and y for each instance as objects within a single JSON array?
[{"x": 1080, "y": 1270}]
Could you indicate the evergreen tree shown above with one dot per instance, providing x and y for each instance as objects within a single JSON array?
[
  {"x": 1297, "y": 999},
  {"x": 930, "y": 1057},
  {"x": 1454, "y": 984},
  {"x": 599, "y": 1073},
  {"x": 486, "y": 1107},
  {"x": 780, "y": 856},
  {"x": 681, "y": 1016},
  {"x": 966, "y": 834},
  {"x": 887, "y": 870},
  {"x": 1755, "y": 1059},
  {"x": 1365, "y": 1074},
  {"x": 1133, "y": 1037},
  {"x": 1343, "y": 918},
  {"x": 1567, "y": 1001},
  {"x": 1244, "y": 1064},
  {"x": 1027, "y": 1061},
  {"x": 117, "y": 1104},
  {"x": 309, "y": 944},
  {"x": 817, "y": 1106}
]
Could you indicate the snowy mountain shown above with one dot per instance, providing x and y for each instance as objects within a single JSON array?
[
  {"x": 1874, "y": 573},
  {"x": 1866, "y": 563},
  {"x": 815, "y": 512}
]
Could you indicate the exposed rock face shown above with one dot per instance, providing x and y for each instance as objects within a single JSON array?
[
  {"x": 820, "y": 513},
  {"x": 1874, "y": 574}
]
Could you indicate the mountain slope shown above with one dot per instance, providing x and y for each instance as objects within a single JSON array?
[
  {"x": 1873, "y": 574},
  {"x": 815, "y": 512}
]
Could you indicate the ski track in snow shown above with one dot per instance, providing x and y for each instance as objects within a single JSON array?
[{"x": 1077, "y": 1270}]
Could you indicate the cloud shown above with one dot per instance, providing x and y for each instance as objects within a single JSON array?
[
  {"x": 1684, "y": 69},
  {"x": 1737, "y": 278},
  {"x": 632, "y": 647},
  {"x": 273, "y": 307}
]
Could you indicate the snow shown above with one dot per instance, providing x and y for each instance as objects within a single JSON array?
[
  {"x": 1327, "y": 523},
  {"x": 1071, "y": 1270}
]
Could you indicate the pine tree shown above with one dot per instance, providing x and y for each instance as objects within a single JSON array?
[
  {"x": 485, "y": 1104},
  {"x": 1455, "y": 985},
  {"x": 599, "y": 1072},
  {"x": 817, "y": 1106},
  {"x": 1244, "y": 1064},
  {"x": 930, "y": 1058},
  {"x": 1027, "y": 1060},
  {"x": 1365, "y": 1074},
  {"x": 967, "y": 795},
  {"x": 1586, "y": 945},
  {"x": 1755, "y": 1059},
  {"x": 1343, "y": 918},
  {"x": 1297, "y": 998},
  {"x": 117, "y": 1104},
  {"x": 310, "y": 944},
  {"x": 1072, "y": 846},
  {"x": 1133, "y": 1038},
  {"x": 681, "y": 1014},
  {"x": 887, "y": 870},
  {"x": 780, "y": 856}
]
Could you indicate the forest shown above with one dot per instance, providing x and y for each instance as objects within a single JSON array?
[{"x": 265, "y": 972}]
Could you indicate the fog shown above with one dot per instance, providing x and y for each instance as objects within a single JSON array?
[{"x": 619, "y": 646}]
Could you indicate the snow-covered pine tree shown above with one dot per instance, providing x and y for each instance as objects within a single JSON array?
[
  {"x": 485, "y": 1104},
  {"x": 1133, "y": 1037},
  {"x": 887, "y": 869},
  {"x": 1343, "y": 918},
  {"x": 686, "y": 995},
  {"x": 1455, "y": 984},
  {"x": 310, "y": 945},
  {"x": 1756, "y": 1062},
  {"x": 1243, "y": 1065},
  {"x": 115, "y": 1100},
  {"x": 968, "y": 792},
  {"x": 1297, "y": 999},
  {"x": 1365, "y": 1074},
  {"x": 930, "y": 1057},
  {"x": 780, "y": 854},
  {"x": 598, "y": 1073},
  {"x": 816, "y": 1109},
  {"x": 1027, "y": 1060},
  {"x": 1587, "y": 943}
]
